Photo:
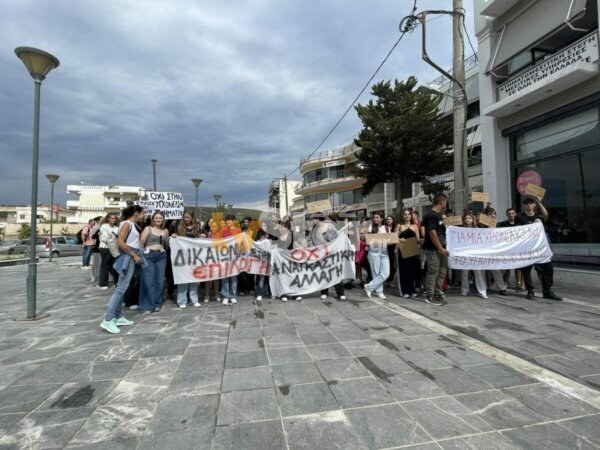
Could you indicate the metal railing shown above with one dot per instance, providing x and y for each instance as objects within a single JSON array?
[{"x": 470, "y": 62}]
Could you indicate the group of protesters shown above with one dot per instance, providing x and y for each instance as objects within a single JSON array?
[{"x": 143, "y": 264}]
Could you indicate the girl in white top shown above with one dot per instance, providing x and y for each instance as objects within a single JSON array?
[
  {"x": 378, "y": 259},
  {"x": 110, "y": 226}
]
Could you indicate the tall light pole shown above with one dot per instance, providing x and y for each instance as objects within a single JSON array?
[
  {"x": 153, "y": 161},
  {"x": 197, "y": 182},
  {"x": 52, "y": 179},
  {"x": 217, "y": 198},
  {"x": 38, "y": 64}
]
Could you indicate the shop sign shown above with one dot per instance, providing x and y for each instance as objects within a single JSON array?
[
  {"x": 334, "y": 163},
  {"x": 584, "y": 50},
  {"x": 528, "y": 177}
]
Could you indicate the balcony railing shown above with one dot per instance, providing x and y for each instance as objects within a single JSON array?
[
  {"x": 440, "y": 81},
  {"x": 345, "y": 150},
  {"x": 345, "y": 176}
]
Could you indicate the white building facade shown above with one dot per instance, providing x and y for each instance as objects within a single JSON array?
[
  {"x": 97, "y": 201},
  {"x": 539, "y": 84}
]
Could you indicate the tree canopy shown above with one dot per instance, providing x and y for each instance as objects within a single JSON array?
[{"x": 402, "y": 139}]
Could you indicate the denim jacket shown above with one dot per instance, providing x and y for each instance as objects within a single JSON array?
[{"x": 123, "y": 260}]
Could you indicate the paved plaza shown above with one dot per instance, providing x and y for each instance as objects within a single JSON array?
[{"x": 502, "y": 373}]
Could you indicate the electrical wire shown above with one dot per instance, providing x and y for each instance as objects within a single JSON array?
[
  {"x": 407, "y": 24},
  {"x": 470, "y": 43}
]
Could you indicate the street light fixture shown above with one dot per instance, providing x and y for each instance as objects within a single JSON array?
[
  {"x": 52, "y": 179},
  {"x": 197, "y": 182},
  {"x": 38, "y": 64},
  {"x": 217, "y": 198},
  {"x": 153, "y": 161}
]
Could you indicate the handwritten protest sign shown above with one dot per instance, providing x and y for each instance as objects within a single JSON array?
[
  {"x": 409, "y": 248},
  {"x": 381, "y": 238},
  {"x": 453, "y": 220},
  {"x": 535, "y": 191},
  {"x": 483, "y": 197},
  {"x": 488, "y": 221},
  {"x": 497, "y": 248},
  {"x": 169, "y": 203},
  {"x": 318, "y": 206}
]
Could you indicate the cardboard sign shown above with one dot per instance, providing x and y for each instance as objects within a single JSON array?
[
  {"x": 318, "y": 206},
  {"x": 381, "y": 238},
  {"x": 253, "y": 228},
  {"x": 486, "y": 220},
  {"x": 535, "y": 191},
  {"x": 483, "y": 197},
  {"x": 453, "y": 220},
  {"x": 169, "y": 203},
  {"x": 409, "y": 247}
]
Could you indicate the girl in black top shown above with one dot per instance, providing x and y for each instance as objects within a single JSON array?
[{"x": 408, "y": 268}]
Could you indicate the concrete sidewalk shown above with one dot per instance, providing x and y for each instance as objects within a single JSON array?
[{"x": 484, "y": 374}]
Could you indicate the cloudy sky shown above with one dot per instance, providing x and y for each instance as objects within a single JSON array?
[{"x": 234, "y": 92}]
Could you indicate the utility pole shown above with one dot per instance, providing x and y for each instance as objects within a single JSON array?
[
  {"x": 459, "y": 114},
  {"x": 287, "y": 213}
]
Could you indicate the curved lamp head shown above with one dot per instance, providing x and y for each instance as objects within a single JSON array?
[
  {"x": 38, "y": 62},
  {"x": 52, "y": 178},
  {"x": 217, "y": 197},
  {"x": 196, "y": 181}
]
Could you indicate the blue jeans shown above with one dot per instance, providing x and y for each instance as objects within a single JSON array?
[
  {"x": 153, "y": 277},
  {"x": 380, "y": 268},
  {"x": 115, "y": 304},
  {"x": 229, "y": 287},
  {"x": 260, "y": 285},
  {"x": 182, "y": 290},
  {"x": 86, "y": 255}
]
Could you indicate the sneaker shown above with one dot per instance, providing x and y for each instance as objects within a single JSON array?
[
  {"x": 298, "y": 298},
  {"x": 483, "y": 296},
  {"x": 146, "y": 313},
  {"x": 342, "y": 297},
  {"x": 368, "y": 292},
  {"x": 550, "y": 295},
  {"x": 85, "y": 268},
  {"x": 464, "y": 294},
  {"x": 530, "y": 295},
  {"x": 233, "y": 301},
  {"x": 225, "y": 301},
  {"x": 133, "y": 307},
  {"x": 218, "y": 299},
  {"x": 155, "y": 310},
  {"x": 381, "y": 295},
  {"x": 415, "y": 295},
  {"x": 196, "y": 305},
  {"x": 259, "y": 298},
  {"x": 324, "y": 297},
  {"x": 122, "y": 321},
  {"x": 406, "y": 296},
  {"x": 110, "y": 326},
  {"x": 433, "y": 301},
  {"x": 103, "y": 288},
  {"x": 205, "y": 300},
  {"x": 182, "y": 306},
  {"x": 283, "y": 299},
  {"x": 503, "y": 293}
]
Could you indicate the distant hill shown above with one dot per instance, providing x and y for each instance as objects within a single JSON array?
[{"x": 240, "y": 213}]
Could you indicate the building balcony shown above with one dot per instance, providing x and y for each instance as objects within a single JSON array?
[
  {"x": 345, "y": 154},
  {"x": 495, "y": 8},
  {"x": 72, "y": 204},
  {"x": 330, "y": 185}
]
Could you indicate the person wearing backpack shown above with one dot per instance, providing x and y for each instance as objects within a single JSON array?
[
  {"x": 88, "y": 244},
  {"x": 108, "y": 228}
]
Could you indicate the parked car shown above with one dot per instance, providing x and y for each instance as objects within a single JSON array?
[
  {"x": 61, "y": 246},
  {"x": 14, "y": 246}
]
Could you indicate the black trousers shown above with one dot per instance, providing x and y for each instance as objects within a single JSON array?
[
  {"x": 106, "y": 263},
  {"x": 547, "y": 272},
  {"x": 339, "y": 290}
]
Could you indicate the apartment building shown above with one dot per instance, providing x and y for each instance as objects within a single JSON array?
[{"x": 97, "y": 201}]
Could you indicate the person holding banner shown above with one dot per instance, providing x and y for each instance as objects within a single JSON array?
[
  {"x": 154, "y": 242},
  {"x": 434, "y": 247},
  {"x": 229, "y": 284},
  {"x": 408, "y": 268},
  {"x": 468, "y": 221},
  {"x": 324, "y": 231},
  {"x": 285, "y": 241},
  {"x": 530, "y": 215},
  {"x": 187, "y": 228},
  {"x": 129, "y": 243},
  {"x": 378, "y": 258}
]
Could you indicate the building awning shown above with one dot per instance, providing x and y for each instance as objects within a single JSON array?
[{"x": 519, "y": 33}]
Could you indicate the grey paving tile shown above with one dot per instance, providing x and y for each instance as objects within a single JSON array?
[
  {"x": 550, "y": 435},
  {"x": 246, "y": 345},
  {"x": 463, "y": 356},
  {"x": 287, "y": 355},
  {"x": 174, "y": 347},
  {"x": 178, "y": 411},
  {"x": 267, "y": 435},
  {"x": 324, "y": 337},
  {"x": 390, "y": 364},
  {"x": 458, "y": 381},
  {"x": 8, "y": 421},
  {"x": 78, "y": 395},
  {"x": 328, "y": 351},
  {"x": 14, "y": 399},
  {"x": 337, "y": 369},
  {"x": 412, "y": 386},
  {"x": 488, "y": 441},
  {"x": 305, "y": 399},
  {"x": 246, "y": 359},
  {"x": 499, "y": 375},
  {"x": 247, "y": 406},
  {"x": 296, "y": 373},
  {"x": 366, "y": 348},
  {"x": 330, "y": 430},
  {"x": 245, "y": 333},
  {"x": 386, "y": 426},
  {"x": 51, "y": 373},
  {"x": 359, "y": 392},
  {"x": 283, "y": 340},
  {"x": 197, "y": 438},
  {"x": 104, "y": 370},
  {"x": 586, "y": 427},
  {"x": 247, "y": 379},
  {"x": 278, "y": 329},
  {"x": 204, "y": 380},
  {"x": 425, "y": 360},
  {"x": 195, "y": 361},
  {"x": 154, "y": 371}
]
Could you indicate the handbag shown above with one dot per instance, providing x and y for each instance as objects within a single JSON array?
[{"x": 113, "y": 247}]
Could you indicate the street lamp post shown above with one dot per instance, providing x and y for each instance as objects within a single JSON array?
[
  {"x": 217, "y": 198},
  {"x": 196, "y": 182},
  {"x": 52, "y": 179},
  {"x": 153, "y": 161},
  {"x": 38, "y": 64}
]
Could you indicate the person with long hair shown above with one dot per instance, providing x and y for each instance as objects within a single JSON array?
[
  {"x": 324, "y": 231},
  {"x": 479, "y": 275},
  {"x": 408, "y": 268},
  {"x": 154, "y": 241},
  {"x": 390, "y": 224},
  {"x": 129, "y": 243},
  {"x": 187, "y": 228},
  {"x": 229, "y": 284},
  {"x": 378, "y": 258},
  {"x": 110, "y": 226}
]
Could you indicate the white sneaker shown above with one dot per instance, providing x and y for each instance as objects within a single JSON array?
[
  {"x": 406, "y": 296},
  {"x": 233, "y": 301},
  {"x": 483, "y": 295},
  {"x": 205, "y": 299},
  {"x": 196, "y": 305},
  {"x": 415, "y": 295},
  {"x": 103, "y": 288},
  {"x": 225, "y": 301},
  {"x": 218, "y": 299},
  {"x": 259, "y": 298},
  {"x": 323, "y": 297},
  {"x": 342, "y": 297},
  {"x": 85, "y": 268},
  {"x": 133, "y": 307},
  {"x": 368, "y": 292},
  {"x": 298, "y": 298},
  {"x": 381, "y": 296},
  {"x": 182, "y": 306},
  {"x": 283, "y": 299}
]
